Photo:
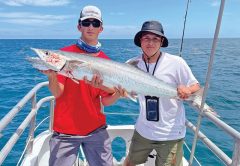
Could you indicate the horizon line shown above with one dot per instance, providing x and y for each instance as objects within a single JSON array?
[{"x": 109, "y": 38}]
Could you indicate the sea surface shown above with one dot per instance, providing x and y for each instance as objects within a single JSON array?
[{"x": 18, "y": 77}]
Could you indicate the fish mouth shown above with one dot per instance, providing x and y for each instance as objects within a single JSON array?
[
  {"x": 51, "y": 58},
  {"x": 35, "y": 50},
  {"x": 41, "y": 53}
]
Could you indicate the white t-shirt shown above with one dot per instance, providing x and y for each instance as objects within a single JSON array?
[{"x": 171, "y": 125}]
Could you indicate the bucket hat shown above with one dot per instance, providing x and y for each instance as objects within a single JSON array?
[{"x": 154, "y": 27}]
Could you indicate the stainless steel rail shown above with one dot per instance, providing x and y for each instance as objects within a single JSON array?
[
  {"x": 217, "y": 151},
  {"x": 29, "y": 120},
  {"x": 13, "y": 112},
  {"x": 235, "y": 161}
]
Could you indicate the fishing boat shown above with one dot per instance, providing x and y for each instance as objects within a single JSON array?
[{"x": 36, "y": 151}]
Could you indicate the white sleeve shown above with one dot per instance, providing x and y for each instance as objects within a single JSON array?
[{"x": 184, "y": 74}]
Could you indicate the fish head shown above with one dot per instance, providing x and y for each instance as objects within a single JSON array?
[{"x": 53, "y": 59}]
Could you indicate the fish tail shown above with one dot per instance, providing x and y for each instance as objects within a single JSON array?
[{"x": 196, "y": 99}]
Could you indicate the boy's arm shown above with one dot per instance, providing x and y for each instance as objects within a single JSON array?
[
  {"x": 55, "y": 87},
  {"x": 185, "y": 91}
]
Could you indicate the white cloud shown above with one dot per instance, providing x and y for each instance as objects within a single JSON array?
[
  {"x": 35, "y": 2},
  {"x": 120, "y": 32},
  {"x": 116, "y": 27},
  {"x": 27, "y": 18},
  {"x": 215, "y": 3},
  {"x": 30, "y": 22},
  {"x": 117, "y": 13},
  {"x": 29, "y": 32}
]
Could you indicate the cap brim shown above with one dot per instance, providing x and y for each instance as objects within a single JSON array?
[
  {"x": 87, "y": 17},
  {"x": 139, "y": 34}
]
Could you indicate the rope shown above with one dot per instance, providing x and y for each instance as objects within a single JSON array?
[
  {"x": 23, "y": 153},
  {"x": 190, "y": 152},
  {"x": 207, "y": 79},
  {"x": 185, "y": 19},
  {"x": 41, "y": 123}
]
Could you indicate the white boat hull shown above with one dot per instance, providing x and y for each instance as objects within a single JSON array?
[{"x": 40, "y": 152}]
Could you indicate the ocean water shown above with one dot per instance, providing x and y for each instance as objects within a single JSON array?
[{"x": 18, "y": 77}]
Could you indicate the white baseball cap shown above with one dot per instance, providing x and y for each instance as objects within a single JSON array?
[{"x": 90, "y": 12}]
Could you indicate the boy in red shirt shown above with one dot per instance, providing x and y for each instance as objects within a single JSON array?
[{"x": 78, "y": 119}]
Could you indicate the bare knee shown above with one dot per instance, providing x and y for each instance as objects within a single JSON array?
[{"x": 127, "y": 162}]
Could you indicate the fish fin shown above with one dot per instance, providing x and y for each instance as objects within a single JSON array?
[
  {"x": 79, "y": 63},
  {"x": 70, "y": 75},
  {"x": 133, "y": 61},
  {"x": 199, "y": 94},
  {"x": 208, "y": 109},
  {"x": 211, "y": 110}
]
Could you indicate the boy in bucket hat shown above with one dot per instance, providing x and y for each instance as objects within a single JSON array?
[
  {"x": 161, "y": 122},
  {"x": 78, "y": 119}
]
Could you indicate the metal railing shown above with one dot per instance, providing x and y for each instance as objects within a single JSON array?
[
  {"x": 235, "y": 160},
  {"x": 30, "y": 120},
  {"x": 236, "y": 135}
]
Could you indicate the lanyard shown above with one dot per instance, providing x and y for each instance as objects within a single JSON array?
[{"x": 147, "y": 66}]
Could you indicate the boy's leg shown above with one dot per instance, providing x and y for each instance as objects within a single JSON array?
[
  {"x": 63, "y": 150},
  {"x": 98, "y": 149},
  {"x": 169, "y": 153},
  {"x": 139, "y": 149}
]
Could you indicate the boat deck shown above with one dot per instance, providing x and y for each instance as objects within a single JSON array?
[{"x": 40, "y": 151}]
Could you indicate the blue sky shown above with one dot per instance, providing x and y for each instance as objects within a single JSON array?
[{"x": 57, "y": 19}]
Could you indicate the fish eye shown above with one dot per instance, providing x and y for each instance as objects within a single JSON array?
[{"x": 47, "y": 53}]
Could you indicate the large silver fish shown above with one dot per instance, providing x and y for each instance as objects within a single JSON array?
[{"x": 76, "y": 66}]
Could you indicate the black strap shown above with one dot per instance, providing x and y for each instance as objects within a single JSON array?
[{"x": 147, "y": 66}]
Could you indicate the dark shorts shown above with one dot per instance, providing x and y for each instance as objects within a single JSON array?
[
  {"x": 96, "y": 147},
  {"x": 169, "y": 153}
]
